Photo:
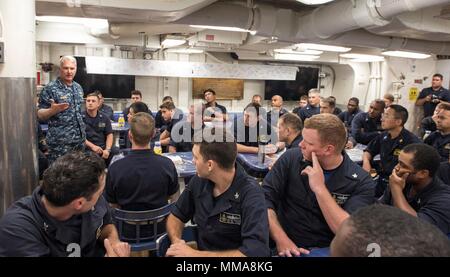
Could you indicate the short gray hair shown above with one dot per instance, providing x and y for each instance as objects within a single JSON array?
[
  {"x": 313, "y": 91},
  {"x": 67, "y": 58}
]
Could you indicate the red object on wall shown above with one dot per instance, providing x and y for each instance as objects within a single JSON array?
[
  {"x": 38, "y": 78},
  {"x": 209, "y": 37}
]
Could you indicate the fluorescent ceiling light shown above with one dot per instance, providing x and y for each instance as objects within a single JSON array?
[
  {"x": 362, "y": 57},
  {"x": 90, "y": 22},
  {"x": 294, "y": 57},
  {"x": 323, "y": 47},
  {"x": 294, "y": 51},
  {"x": 314, "y": 2},
  {"x": 223, "y": 28},
  {"x": 405, "y": 54},
  {"x": 185, "y": 51},
  {"x": 172, "y": 41},
  {"x": 367, "y": 60}
]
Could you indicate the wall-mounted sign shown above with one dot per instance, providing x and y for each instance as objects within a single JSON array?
[
  {"x": 413, "y": 93},
  {"x": 106, "y": 65},
  {"x": 228, "y": 89}
]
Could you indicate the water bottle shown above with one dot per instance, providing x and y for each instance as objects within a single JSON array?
[
  {"x": 262, "y": 143},
  {"x": 121, "y": 121},
  {"x": 157, "y": 148}
]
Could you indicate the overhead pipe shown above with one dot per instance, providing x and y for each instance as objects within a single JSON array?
[
  {"x": 390, "y": 8},
  {"x": 347, "y": 29},
  {"x": 363, "y": 38},
  {"x": 218, "y": 14},
  {"x": 289, "y": 26},
  {"x": 117, "y": 30},
  {"x": 136, "y": 10},
  {"x": 350, "y": 15}
]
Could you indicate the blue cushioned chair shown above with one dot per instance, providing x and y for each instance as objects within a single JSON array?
[
  {"x": 141, "y": 229},
  {"x": 318, "y": 252},
  {"x": 163, "y": 242}
]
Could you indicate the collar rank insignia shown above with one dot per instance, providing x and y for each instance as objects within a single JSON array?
[
  {"x": 355, "y": 175},
  {"x": 236, "y": 195}
]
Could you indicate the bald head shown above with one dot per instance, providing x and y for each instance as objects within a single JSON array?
[{"x": 277, "y": 101}]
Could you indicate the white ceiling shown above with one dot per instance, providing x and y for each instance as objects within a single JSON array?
[{"x": 278, "y": 23}]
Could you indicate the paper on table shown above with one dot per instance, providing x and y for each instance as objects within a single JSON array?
[{"x": 177, "y": 160}]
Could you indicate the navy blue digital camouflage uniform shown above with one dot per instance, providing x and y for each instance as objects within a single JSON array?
[{"x": 66, "y": 130}]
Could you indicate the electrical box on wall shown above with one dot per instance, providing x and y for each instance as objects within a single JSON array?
[{"x": 216, "y": 38}]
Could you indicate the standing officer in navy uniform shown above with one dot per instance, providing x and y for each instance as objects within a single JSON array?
[
  {"x": 227, "y": 205},
  {"x": 99, "y": 133},
  {"x": 440, "y": 139},
  {"x": 366, "y": 126},
  {"x": 388, "y": 144},
  {"x": 415, "y": 189},
  {"x": 60, "y": 104},
  {"x": 64, "y": 217},
  {"x": 42, "y": 150},
  {"x": 430, "y": 97},
  {"x": 310, "y": 191}
]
